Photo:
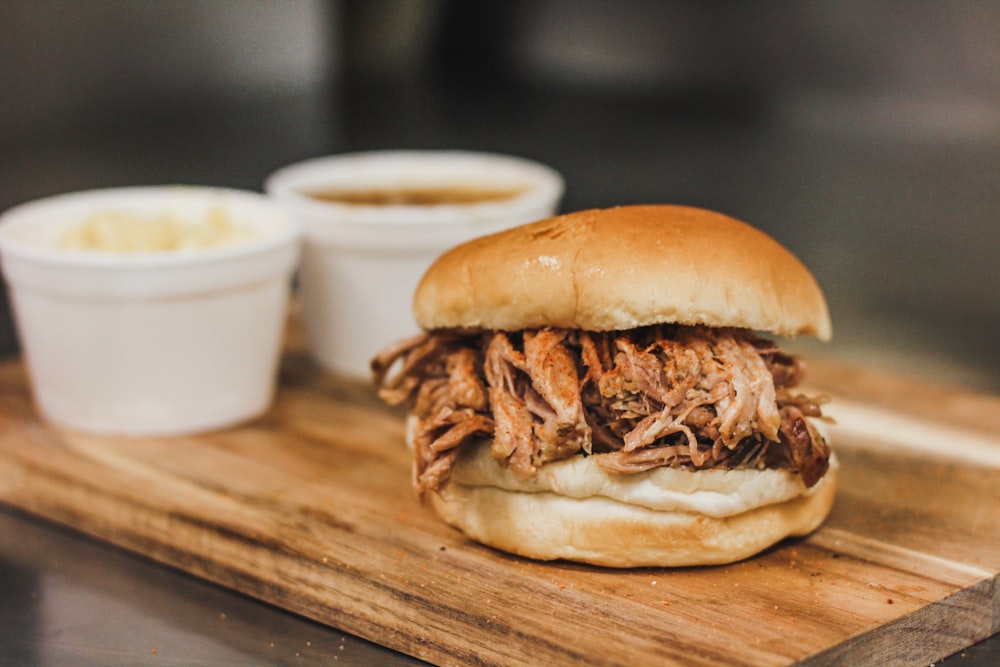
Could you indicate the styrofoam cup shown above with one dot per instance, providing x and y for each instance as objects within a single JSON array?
[
  {"x": 150, "y": 343},
  {"x": 361, "y": 262}
]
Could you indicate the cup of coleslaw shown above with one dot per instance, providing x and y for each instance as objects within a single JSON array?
[{"x": 150, "y": 310}]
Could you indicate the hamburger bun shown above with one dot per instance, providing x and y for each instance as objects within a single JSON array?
[
  {"x": 623, "y": 268},
  {"x": 664, "y": 517}
]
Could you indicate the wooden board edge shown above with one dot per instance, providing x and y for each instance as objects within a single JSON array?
[{"x": 929, "y": 634}]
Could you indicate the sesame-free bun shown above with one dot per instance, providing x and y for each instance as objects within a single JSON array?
[
  {"x": 622, "y": 268},
  {"x": 665, "y": 517}
]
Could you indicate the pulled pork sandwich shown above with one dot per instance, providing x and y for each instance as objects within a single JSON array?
[{"x": 591, "y": 387}]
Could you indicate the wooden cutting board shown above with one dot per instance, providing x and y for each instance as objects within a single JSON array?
[{"x": 310, "y": 509}]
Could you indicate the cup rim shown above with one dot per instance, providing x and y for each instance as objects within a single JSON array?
[
  {"x": 286, "y": 183},
  {"x": 290, "y": 230}
]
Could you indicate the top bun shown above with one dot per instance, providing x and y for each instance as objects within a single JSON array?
[{"x": 623, "y": 268}]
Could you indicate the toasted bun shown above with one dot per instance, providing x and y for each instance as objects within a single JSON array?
[
  {"x": 665, "y": 517},
  {"x": 623, "y": 268}
]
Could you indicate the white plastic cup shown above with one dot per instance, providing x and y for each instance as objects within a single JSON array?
[
  {"x": 361, "y": 263},
  {"x": 150, "y": 343}
]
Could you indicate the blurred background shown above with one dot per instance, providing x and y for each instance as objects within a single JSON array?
[{"x": 864, "y": 136}]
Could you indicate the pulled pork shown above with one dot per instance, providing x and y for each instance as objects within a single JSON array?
[{"x": 688, "y": 397}]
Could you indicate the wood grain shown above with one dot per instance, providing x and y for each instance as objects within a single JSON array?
[{"x": 310, "y": 509}]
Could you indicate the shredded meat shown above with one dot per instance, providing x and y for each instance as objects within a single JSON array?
[
  {"x": 513, "y": 441},
  {"x": 681, "y": 396}
]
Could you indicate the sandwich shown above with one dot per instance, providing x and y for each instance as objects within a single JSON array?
[{"x": 603, "y": 387}]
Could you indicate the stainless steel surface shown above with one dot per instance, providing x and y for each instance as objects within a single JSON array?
[{"x": 67, "y": 600}]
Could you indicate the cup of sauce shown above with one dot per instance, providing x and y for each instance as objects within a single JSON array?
[{"x": 373, "y": 222}]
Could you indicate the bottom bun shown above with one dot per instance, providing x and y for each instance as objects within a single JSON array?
[{"x": 603, "y": 529}]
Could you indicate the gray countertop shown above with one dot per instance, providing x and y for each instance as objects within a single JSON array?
[{"x": 68, "y": 600}]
